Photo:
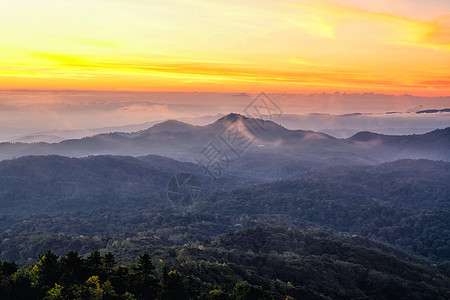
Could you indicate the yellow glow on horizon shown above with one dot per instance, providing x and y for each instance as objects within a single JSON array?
[{"x": 198, "y": 45}]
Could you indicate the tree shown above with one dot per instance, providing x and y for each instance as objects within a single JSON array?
[
  {"x": 173, "y": 285},
  {"x": 21, "y": 287},
  {"x": 48, "y": 270},
  {"x": 243, "y": 291},
  {"x": 217, "y": 294},
  {"x": 55, "y": 293},
  {"x": 146, "y": 284},
  {"x": 94, "y": 289},
  {"x": 109, "y": 262},
  {"x": 8, "y": 268},
  {"x": 73, "y": 269},
  {"x": 120, "y": 279},
  {"x": 94, "y": 263}
]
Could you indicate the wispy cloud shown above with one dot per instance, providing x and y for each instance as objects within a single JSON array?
[{"x": 182, "y": 45}]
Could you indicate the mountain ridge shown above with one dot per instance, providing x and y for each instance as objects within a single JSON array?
[{"x": 182, "y": 141}]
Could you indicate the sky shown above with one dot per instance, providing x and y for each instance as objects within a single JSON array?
[{"x": 354, "y": 46}]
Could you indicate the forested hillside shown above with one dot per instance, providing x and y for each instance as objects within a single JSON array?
[
  {"x": 405, "y": 203},
  {"x": 258, "y": 263},
  {"x": 68, "y": 204}
]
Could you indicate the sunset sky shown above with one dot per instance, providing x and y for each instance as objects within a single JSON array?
[{"x": 383, "y": 46}]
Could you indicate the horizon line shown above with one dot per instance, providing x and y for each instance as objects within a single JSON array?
[{"x": 224, "y": 93}]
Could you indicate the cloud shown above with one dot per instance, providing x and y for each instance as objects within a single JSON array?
[
  {"x": 226, "y": 46},
  {"x": 440, "y": 32}
]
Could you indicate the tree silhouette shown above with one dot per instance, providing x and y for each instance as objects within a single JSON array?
[
  {"x": 146, "y": 284},
  {"x": 48, "y": 270}
]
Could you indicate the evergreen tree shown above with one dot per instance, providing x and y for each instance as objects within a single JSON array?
[
  {"x": 121, "y": 280},
  {"x": 109, "y": 262},
  {"x": 146, "y": 284},
  {"x": 73, "y": 269},
  {"x": 48, "y": 270},
  {"x": 94, "y": 263}
]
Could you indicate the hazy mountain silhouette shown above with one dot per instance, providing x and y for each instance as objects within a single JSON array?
[{"x": 183, "y": 141}]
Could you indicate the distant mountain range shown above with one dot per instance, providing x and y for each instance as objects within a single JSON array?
[
  {"x": 289, "y": 150},
  {"x": 341, "y": 126},
  {"x": 56, "y": 136}
]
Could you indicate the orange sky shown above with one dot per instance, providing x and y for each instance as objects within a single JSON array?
[{"x": 383, "y": 46}]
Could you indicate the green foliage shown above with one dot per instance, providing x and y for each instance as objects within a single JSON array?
[
  {"x": 94, "y": 263},
  {"x": 244, "y": 291},
  {"x": 257, "y": 263},
  {"x": 145, "y": 283},
  {"x": 55, "y": 293},
  {"x": 223, "y": 248},
  {"x": 48, "y": 270},
  {"x": 403, "y": 203}
]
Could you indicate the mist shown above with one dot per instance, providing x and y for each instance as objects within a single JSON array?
[{"x": 75, "y": 114}]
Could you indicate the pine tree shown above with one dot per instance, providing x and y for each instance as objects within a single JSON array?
[
  {"x": 48, "y": 270},
  {"x": 146, "y": 284},
  {"x": 109, "y": 262},
  {"x": 95, "y": 264}
]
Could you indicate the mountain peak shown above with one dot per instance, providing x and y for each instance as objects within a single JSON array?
[
  {"x": 170, "y": 123},
  {"x": 170, "y": 126},
  {"x": 232, "y": 117},
  {"x": 364, "y": 136}
]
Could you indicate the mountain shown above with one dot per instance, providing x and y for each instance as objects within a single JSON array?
[
  {"x": 46, "y": 136},
  {"x": 57, "y": 185},
  {"x": 82, "y": 203},
  {"x": 38, "y": 138},
  {"x": 171, "y": 164},
  {"x": 248, "y": 143},
  {"x": 56, "y": 136},
  {"x": 404, "y": 203},
  {"x": 432, "y": 145},
  {"x": 345, "y": 125},
  {"x": 115, "y": 185}
]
